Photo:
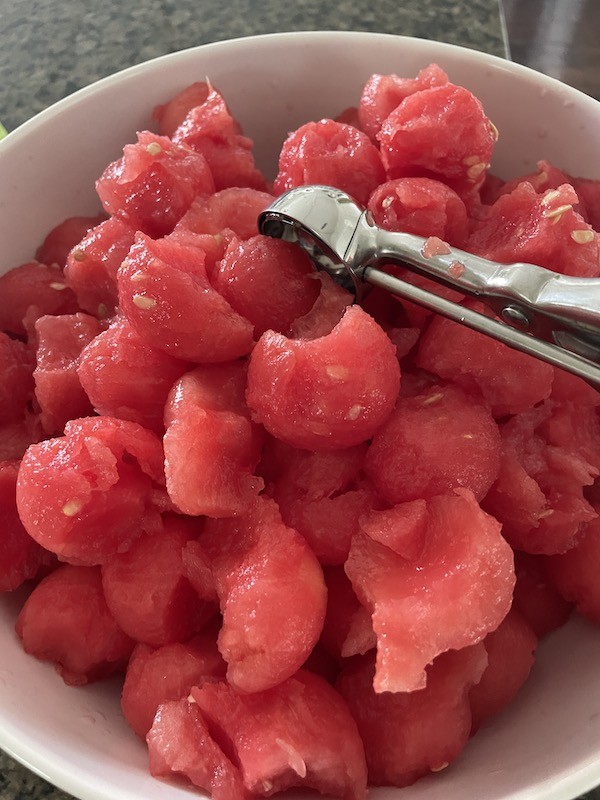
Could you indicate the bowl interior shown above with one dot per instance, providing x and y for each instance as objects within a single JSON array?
[{"x": 545, "y": 745}]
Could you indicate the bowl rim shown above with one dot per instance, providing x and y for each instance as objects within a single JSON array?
[{"x": 582, "y": 779}]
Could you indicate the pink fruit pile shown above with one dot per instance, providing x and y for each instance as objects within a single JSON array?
[{"x": 320, "y": 540}]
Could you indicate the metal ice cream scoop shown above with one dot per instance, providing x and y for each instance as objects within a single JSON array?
[{"x": 551, "y": 316}]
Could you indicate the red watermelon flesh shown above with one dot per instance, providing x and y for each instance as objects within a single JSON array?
[
  {"x": 546, "y": 230},
  {"x": 384, "y": 93},
  {"x": 198, "y": 570},
  {"x": 32, "y": 290},
  {"x": 453, "y": 595},
  {"x": 165, "y": 294},
  {"x": 180, "y": 744},
  {"x": 421, "y": 206},
  {"x": 271, "y": 592},
  {"x": 326, "y": 393},
  {"x": 402, "y": 528},
  {"x": 58, "y": 390},
  {"x": 16, "y": 384},
  {"x": 15, "y": 437},
  {"x": 92, "y": 265},
  {"x": 147, "y": 591},
  {"x": 235, "y": 209},
  {"x": 92, "y": 492},
  {"x": 299, "y": 733},
  {"x": 56, "y": 246},
  {"x": 211, "y": 447},
  {"x": 347, "y": 629},
  {"x": 209, "y": 129},
  {"x": 410, "y": 734},
  {"x": 170, "y": 115},
  {"x": 545, "y": 178},
  {"x": 168, "y": 673},
  {"x": 268, "y": 281},
  {"x": 126, "y": 378},
  {"x": 511, "y": 654},
  {"x": 153, "y": 184},
  {"x": 433, "y": 443},
  {"x": 509, "y": 381},
  {"x": 332, "y": 154},
  {"x": 20, "y": 556},
  {"x": 536, "y": 598},
  {"x": 568, "y": 388},
  {"x": 328, "y": 309},
  {"x": 589, "y": 195},
  {"x": 66, "y": 621}
]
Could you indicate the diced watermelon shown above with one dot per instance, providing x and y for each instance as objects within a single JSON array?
[
  {"x": 20, "y": 556},
  {"x": 58, "y": 390},
  {"x": 210, "y": 129},
  {"x": 410, "y": 734},
  {"x": 268, "y": 281},
  {"x": 421, "y": 206},
  {"x": 511, "y": 654},
  {"x": 383, "y": 93},
  {"x": 536, "y": 598},
  {"x": 211, "y": 449},
  {"x": 402, "y": 528},
  {"x": 180, "y": 744},
  {"x": 61, "y": 239},
  {"x": 16, "y": 385},
  {"x": 509, "y": 381},
  {"x": 125, "y": 377},
  {"x": 327, "y": 393},
  {"x": 272, "y": 596},
  {"x": 147, "y": 591},
  {"x": 66, "y": 621},
  {"x": 92, "y": 492},
  {"x": 235, "y": 209},
  {"x": 170, "y": 115},
  {"x": 156, "y": 676},
  {"x": 165, "y": 294},
  {"x": 332, "y": 154},
  {"x": 299, "y": 733},
  {"x": 91, "y": 270},
  {"x": 433, "y": 443},
  {"x": 153, "y": 184},
  {"x": 455, "y": 593},
  {"x": 32, "y": 290}
]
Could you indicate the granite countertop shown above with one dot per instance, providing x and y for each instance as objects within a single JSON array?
[{"x": 50, "y": 48}]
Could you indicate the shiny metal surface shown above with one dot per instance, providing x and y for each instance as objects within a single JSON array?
[{"x": 551, "y": 316}]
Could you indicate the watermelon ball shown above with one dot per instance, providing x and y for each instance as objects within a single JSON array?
[
  {"x": 271, "y": 592},
  {"x": 136, "y": 187},
  {"x": 66, "y": 621},
  {"x": 511, "y": 655},
  {"x": 91, "y": 270},
  {"x": 170, "y": 115},
  {"x": 234, "y": 209},
  {"x": 211, "y": 446},
  {"x": 421, "y": 206},
  {"x": 210, "y": 129},
  {"x": 147, "y": 591},
  {"x": 440, "y": 132},
  {"x": 165, "y": 294},
  {"x": 91, "y": 493},
  {"x": 383, "y": 93},
  {"x": 458, "y": 590},
  {"x": 332, "y": 154},
  {"x": 180, "y": 745},
  {"x": 32, "y": 290},
  {"x": 299, "y": 733},
  {"x": 432, "y": 443},
  {"x": 20, "y": 556},
  {"x": 58, "y": 390},
  {"x": 536, "y": 597},
  {"x": 410, "y": 734},
  {"x": 125, "y": 377},
  {"x": 59, "y": 242},
  {"x": 347, "y": 628},
  {"x": 16, "y": 387},
  {"x": 402, "y": 528},
  {"x": 330, "y": 306},
  {"x": 332, "y": 392},
  {"x": 268, "y": 281}
]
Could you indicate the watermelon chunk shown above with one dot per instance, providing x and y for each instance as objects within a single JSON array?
[
  {"x": 271, "y": 592},
  {"x": 455, "y": 593},
  {"x": 299, "y": 733},
  {"x": 402, "y": 528},
  {"x": 170, "y": 115},
  {"x": 17, "y": 385},
  {"x": 347, "y": 629},
  {"x": 536, "y": 598},
  {"x": 432, "y": 443},
  {"x": 66, "y": 621},
  {"x": 61, "y": 239},
  {"x": 327, "y": 393},
  {"x": 410, "y": 734},
  {"x": 328, "y": 309},
  {"x": 235, "y": 209}
]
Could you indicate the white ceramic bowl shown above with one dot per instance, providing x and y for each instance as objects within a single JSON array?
[{"x": 547, "y": 744}]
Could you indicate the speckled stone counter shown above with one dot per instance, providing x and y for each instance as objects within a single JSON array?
[{"x": 50, "y": 48}]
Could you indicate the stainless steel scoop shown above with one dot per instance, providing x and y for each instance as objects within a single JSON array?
[{"x": 551, "y": 316}]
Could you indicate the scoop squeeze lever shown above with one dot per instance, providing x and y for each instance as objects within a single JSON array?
[{"x": 548, "y": 315}]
